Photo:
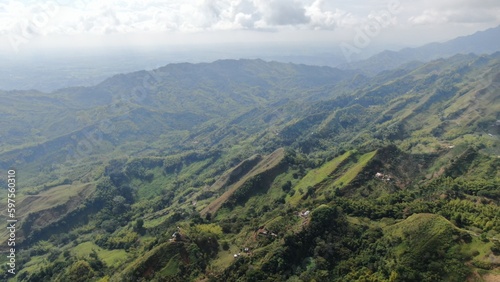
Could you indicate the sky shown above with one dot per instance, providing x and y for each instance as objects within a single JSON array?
[{"x": 26, "y": 26}]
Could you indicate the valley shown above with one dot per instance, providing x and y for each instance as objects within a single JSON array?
[{"x": 247, "y": 170}]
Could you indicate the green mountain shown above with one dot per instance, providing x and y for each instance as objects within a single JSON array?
[{"x": 260, "y": 171}]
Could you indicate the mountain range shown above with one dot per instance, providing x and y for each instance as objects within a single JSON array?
[
  {"x": 247, "y": 170},
  {"x": 481, "y": 42}
]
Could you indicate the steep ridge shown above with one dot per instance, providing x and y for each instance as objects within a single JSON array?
[
  {"x": 293, "y": 190},
  {"x": 167, "y": 108},
  {"x": 265, "y": 168},
  {"x": 481, "y": 42},
  {"x": 40, "y": 212},
  {"x": 236, "y": 173}
]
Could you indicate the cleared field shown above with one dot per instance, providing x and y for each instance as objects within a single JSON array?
[
  {"x": 113, "y": 258},
  {"x": 54, "y": 197},
  {"x": 50, "y": 204},
  {"x": 317, "y": 176},
  {"x": 355, "y": 170}
]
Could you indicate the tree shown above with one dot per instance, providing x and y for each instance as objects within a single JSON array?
[
  {"x": 139, "y": 226},
  {"x": 287, "y": 186},
  {"x": 496, "y": 248},
  {"x": 81, "y": 271}
]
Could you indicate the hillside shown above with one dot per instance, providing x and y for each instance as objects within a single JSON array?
[
  {"x": 194, "y": 104},
  {"x": 261, "y": 171},
  {"x": 264, "y": 171},
  {"x": 481, "y": 42}
]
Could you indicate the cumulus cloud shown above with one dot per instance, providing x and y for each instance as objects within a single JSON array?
[
  {"x": 94, "y": 16},
  {"x": 324, "y": 19},
  {"x": 137, "y": 16},
  {"x": 281, "y": 12},
  {"x": 456, "y": 11},
  {"x": 429, "y": 17}
]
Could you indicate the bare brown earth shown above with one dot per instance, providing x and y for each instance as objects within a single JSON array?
[{"x": 491, "y": 278}]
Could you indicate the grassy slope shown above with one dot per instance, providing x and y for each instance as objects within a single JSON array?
[
  {"x": 69, "y": 196},
  {"x": 316, "y": 176},
  {"x": 235, "y": 172},
  {"x": 350, "y": 174},
  {"x": 112, "y": 258},
  {"x": 424, "y": 233},
  {"x": 267, "y": 163}
]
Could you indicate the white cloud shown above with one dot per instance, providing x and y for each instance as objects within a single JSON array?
[
  {"x": 281, "y": 12},
  {"x": 324, "y": 19},
  {"x": 429, "y": 17},
  {"x": 101, "y": 17},
  {"x": 167, "y": 19},
  {"x": 455, "y": 11}
]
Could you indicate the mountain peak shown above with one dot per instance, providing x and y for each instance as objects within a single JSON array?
[{"x": 481, "y": 42}]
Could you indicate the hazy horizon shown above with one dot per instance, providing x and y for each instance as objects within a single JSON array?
[{"x": 100, "y": 39}]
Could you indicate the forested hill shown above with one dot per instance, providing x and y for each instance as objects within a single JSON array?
[
  {"x": 260, "y": 171},
  {"x": 167, "y": 107}
]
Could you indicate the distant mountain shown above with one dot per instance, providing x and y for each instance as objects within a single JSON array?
[
  {"x": 143, "y": 106},
  {"x": 481, "y": 42}
]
